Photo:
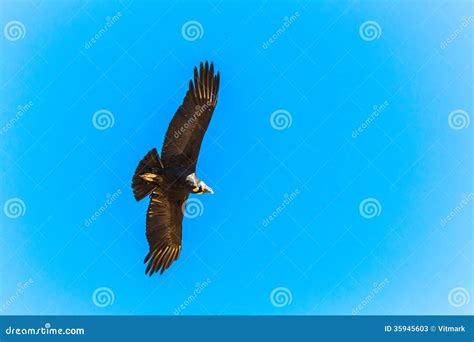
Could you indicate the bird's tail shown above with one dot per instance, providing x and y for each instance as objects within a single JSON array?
[{"x": 146, "y": 178}]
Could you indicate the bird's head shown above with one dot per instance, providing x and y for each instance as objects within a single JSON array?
[{"x": 202, "y": 188}]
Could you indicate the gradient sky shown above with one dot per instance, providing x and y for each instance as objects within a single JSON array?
[{"x": 323, "y": 106}]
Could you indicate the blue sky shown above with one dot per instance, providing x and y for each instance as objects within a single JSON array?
[{"x": 347, "y": 122}]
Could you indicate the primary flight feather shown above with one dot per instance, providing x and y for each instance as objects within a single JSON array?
[{"x": 170, "y": 179}]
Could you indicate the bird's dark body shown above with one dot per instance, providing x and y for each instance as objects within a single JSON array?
[
  {"x": 177, "y": 180},
  {"x": 170, "y": 179}
]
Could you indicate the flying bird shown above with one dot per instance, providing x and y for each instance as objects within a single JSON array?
[{"x": 169, "y": 180}]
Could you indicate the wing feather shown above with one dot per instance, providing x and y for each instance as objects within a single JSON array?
[
  {"x": 187, "y": 128},
  {"x": 164, "y": 230}
]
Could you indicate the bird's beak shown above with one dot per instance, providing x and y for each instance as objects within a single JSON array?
[{"x": 211, "y": 191}]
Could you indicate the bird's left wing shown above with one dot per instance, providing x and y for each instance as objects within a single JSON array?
[
  {"x": 187, "y": 128},
  {"x": 164, "y": 229}
]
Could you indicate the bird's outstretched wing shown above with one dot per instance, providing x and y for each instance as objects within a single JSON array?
[
  {"x": 163, "y": 229},
  {"x": 187, "y": 128}
]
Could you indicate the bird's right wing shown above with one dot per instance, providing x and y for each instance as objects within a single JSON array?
[
  {"x": 187, "y": 128},
  {"x": 164, "y": 229}
]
